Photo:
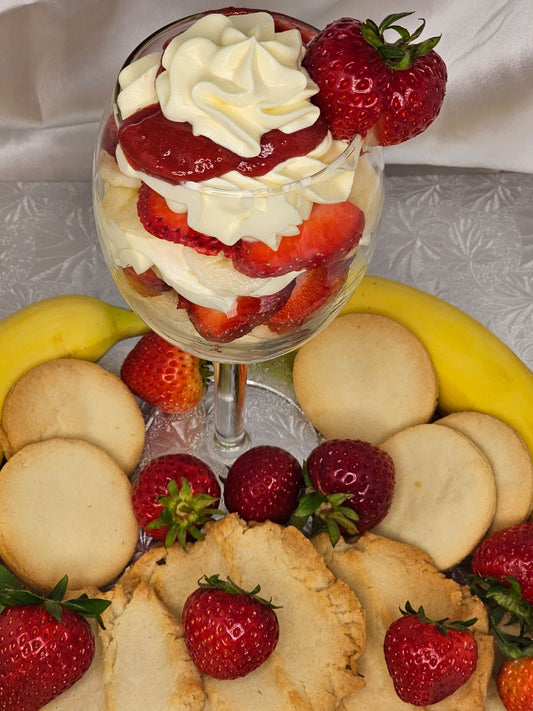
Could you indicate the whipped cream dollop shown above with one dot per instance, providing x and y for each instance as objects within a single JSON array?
[{"x": 232, "y": 78}]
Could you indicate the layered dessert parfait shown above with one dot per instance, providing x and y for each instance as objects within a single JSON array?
[{"x": 233, "y": 221}]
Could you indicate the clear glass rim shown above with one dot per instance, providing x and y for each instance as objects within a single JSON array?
[{"x": 356, "y": 145}]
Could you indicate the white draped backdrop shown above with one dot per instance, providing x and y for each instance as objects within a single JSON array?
[{"x": 59, "y": 59}]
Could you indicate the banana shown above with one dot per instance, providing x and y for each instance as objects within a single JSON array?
[
  {"x": 68, "y": 326},
  {"x": 476, "y": 370}
]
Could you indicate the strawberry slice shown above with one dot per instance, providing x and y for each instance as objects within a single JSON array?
[
  {"x": 312, "y": 290},
  {"x": 329, "y": 233},
  {"x": 148, "y": 283},
  {"x": 159, "y": 220},
  {"x": 246, "y": 313}
]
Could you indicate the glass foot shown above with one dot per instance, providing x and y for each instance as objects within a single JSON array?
[{"x": 270, "y": 417}]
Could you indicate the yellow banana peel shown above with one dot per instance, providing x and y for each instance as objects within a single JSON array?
[
  {"x": 67, "y": 326},
  {"x": 476, "y": 370}
]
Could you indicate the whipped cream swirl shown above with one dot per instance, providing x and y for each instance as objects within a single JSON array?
[{"x": 232, "y": 78}]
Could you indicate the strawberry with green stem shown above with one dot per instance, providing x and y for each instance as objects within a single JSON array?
[
  {"x": 174, "y": 496},
  {"x": 46, "y": 643},
  {"x": 350, "y": 484},
  {"x": 507, "y": 608},
  {"x": 428, "y": 660},
  {"x": 507, "y": 553},
  {"x": 502, "y": 567},
  {"x": 368, "y": 85},
  {"x": 228, "y": 630}
]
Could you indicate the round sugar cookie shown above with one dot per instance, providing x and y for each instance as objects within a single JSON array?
[
  {"x": 74, "y": 398},
  {"x": 65, "y": 509},
  {"x": 510, "y": 460},
  {"x": 322, "y": 626},
  {"x": 444, "y": 495},
  {"x": 365, "y": 377}
]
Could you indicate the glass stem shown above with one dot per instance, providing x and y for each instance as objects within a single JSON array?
[{"x": 230, "y": 391}]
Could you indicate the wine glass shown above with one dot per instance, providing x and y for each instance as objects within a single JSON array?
[{"x": 177, "y": 289}]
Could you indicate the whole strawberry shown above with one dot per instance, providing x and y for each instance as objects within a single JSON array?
[
  {"x": 351, "y": 483},
  {"x": 515, "y": 684},
  {"x": 163, "y": 375},
  {"x": 508, "y": 553},
  {"x": 263, "y": 484},
  {"x": 46, "y": 644},
  {"x": 428, "y": 660},
  {"x": 174, "y": 496},
  {"x": 393, "y": 89},
  {"x": 502, "y": 567},
  {"x": 229, "y": 632}
]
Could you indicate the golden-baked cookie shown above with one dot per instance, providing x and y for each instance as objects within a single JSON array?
[
  {"x": 146, "y": 663},
  {"x": 141, "y": 661},
  {"x": 385, "y": 574},
  {"x": 444, "y": 495},
  {"x": 321, "y": 622},
  {"x": 74, "y": 398},
  {"x": 510, "y": 460},
  {"x": 365, "y": 377},
  {"x": 494, "y": 703},
  {"x": 65, "y": 509}
]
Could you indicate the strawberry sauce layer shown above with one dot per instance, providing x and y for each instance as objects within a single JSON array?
[{"x": 169, "y": 150}]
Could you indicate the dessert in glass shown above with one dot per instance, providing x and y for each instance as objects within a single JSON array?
[{"x": 231, "y": 220}]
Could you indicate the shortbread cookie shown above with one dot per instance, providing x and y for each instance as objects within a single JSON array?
[
  {"x": 141, "y": 660},
  {"x": 74, "y": 398},
  {"x": 385, "y": 574},
  {"x": 146, "y": 663},
  {"x": 444, "y": 495},
  {"x": 65, "y": 509},
  {"x": 494, "y": 703},
  {"x": 510, "y": 460},
  {"x": 314, "y": 664},
  {"x": 365, "y": 377}
]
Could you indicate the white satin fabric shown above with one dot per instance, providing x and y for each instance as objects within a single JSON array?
[{"x": 59, "y": 60}]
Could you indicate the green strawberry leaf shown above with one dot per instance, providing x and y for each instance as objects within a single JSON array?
[
  {"x": 8, "y": 580},
  {"x": 404, "y": 51},
  {"x": 184, "y": 512},
  {"x": 58, "y": 593},
  {"x": 443, "y": 625},
  {"x": 13, "y": 592},
  {"x": 506, "y": 607},
  {"x": 215, "y": 582}
]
